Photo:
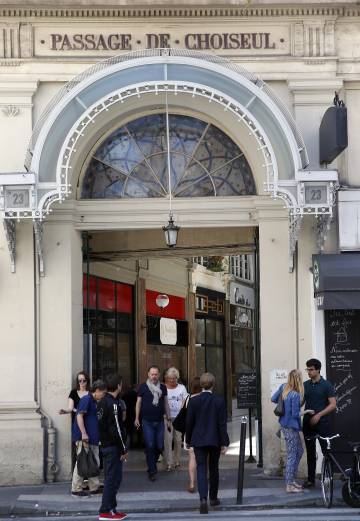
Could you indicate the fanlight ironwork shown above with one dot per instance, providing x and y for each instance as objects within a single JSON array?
[{"x": 133, "y": 162}]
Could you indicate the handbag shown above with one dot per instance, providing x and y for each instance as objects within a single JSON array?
[
  {"x": 179, "y": 423},
  {"x": 87, "y": 465},
  {"x": 280, "y": 407}
]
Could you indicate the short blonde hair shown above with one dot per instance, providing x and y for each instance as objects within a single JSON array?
[
  {"x": 207, "y": 381},
  {"x": 172, "y": 372}
]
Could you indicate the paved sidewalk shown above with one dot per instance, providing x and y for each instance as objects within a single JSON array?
[{"x": 167, "y": 493}]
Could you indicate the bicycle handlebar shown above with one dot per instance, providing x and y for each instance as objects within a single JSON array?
[{"x": 326, "y": 438}]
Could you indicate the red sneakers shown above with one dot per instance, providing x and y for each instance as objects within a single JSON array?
[{"x": 112, "y": 515}]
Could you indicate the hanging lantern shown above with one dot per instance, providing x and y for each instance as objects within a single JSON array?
[{"x": 171, "y": 232}]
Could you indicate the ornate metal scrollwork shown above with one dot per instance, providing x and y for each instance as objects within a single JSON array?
[
  {"x": 295, "y": 221},
  {"x": 10, "y": 234},
  {"x": 322, "y": 228}
]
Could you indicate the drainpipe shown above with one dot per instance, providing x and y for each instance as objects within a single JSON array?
[{"x": 50, "y": 465}]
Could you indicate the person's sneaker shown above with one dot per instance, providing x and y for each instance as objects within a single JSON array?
[
  {"x": 215, "y": 502},
  {"x": 115, "y": 516},
  {"x": 152, "y": 477},
  {"x": 204, "y": 507},
  {"x": 81, "y": 493}
]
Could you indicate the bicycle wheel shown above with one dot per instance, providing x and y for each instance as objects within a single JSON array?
[
  {"x": 348, "y": 497},
  {"x": 327, "y": 482}
]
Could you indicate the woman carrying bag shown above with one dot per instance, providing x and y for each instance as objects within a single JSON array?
[{"x": 292, "y": 394}]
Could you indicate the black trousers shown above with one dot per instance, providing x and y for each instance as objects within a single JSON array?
[
  {"x": 323, "y": 429},
  {"x": 207, "y": 458},
  {"x": 113, "y": 477}
]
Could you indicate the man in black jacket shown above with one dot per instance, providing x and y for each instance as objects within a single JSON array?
[
  {"x": 112, "y": 446},
  {"x": 206, "y": 433}
]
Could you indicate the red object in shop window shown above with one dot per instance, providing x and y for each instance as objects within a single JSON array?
[
  {"x": 175, "y": 308},
  {"x": 92, "y": 292},
  {"x": 106, "y": 295},
  {"x": 124, "y": 298}
]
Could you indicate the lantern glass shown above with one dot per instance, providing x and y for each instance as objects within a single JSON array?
[{"x": 171, "y": 233}]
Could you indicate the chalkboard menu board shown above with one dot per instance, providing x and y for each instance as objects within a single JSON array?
[
  {"x": 342, "y": 337},
  {"x": 246, "y": 386}
]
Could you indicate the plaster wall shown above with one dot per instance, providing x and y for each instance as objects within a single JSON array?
[{"x": 278, "y": 324}]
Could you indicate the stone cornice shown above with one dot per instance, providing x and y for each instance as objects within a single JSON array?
[{"x": 300, "y": 11}]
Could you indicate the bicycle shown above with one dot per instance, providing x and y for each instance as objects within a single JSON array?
[{"x": 351, "y": 476}]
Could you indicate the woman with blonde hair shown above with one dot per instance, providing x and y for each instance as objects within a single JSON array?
[
  {"x": 293, "y": 396},
  {"x": 176, "y": 394}
]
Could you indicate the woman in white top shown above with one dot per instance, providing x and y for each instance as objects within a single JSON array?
[{"x": 176, "y": 394}]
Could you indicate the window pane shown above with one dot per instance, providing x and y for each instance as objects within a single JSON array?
[
  {"x": 124, "y": 357},
  {"x": 106, "y": 295},
  {"x": 105, "y": 355},
  {"x": 215, "y": 365},
  {"x": 214, "y": 332},
  {"x": 132, "y": 161},
  {"x": 200, "y": 331},
  {"x": 200, "y": 360}
]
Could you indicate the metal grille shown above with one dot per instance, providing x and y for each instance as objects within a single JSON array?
[{"x": 148, "y": 53}]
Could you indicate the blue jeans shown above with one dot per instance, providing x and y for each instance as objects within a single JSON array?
[
  {"x": 207, "y": 457},
  {"x": 154, "y": 442},
  {"x": 113, "y": 477}
]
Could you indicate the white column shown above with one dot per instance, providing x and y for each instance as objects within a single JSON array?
[
  {"x": 61, "y": 329},
  {"x": 311, "y": 99},
  {"x": 21, "y": 435},
  {"x": 277, "y": 322}
]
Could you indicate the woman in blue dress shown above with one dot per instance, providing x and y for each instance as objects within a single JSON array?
[{"x": 293, "y": 397}]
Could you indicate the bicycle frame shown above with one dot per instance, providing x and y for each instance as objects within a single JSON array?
[{"x": 352, "y": 478}]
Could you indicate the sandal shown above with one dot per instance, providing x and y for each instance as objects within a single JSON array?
[{"x": 291, "y": 489}]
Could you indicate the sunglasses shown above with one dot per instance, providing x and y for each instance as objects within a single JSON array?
[{"x": 81, "y": 380}]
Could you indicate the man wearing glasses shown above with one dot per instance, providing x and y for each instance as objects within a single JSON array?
[{"x": 319, "y": 397}]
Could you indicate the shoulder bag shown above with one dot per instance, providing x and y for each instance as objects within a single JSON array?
[
  {"x": 280, "y": 408},
  {"x": 179, "y": 423}
]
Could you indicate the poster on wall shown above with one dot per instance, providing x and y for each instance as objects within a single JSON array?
[{"x": 168, "y": 331}]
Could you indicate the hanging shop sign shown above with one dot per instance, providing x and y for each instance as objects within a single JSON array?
[
  {"x": 168, "y": 331},
  {"x": 209, "y": 302},
  {"x": 107, "y": 39},
  {"x": 162, "y": 301}
]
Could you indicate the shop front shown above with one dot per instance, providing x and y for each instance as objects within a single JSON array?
[
  {"x": 167, "y": 333},
  {"x": 210, "y": 335}
]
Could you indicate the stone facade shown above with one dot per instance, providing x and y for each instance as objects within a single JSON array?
[{"x": 305, "y": 52}]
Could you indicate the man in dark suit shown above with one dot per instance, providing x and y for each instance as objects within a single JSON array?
[{"x": 206, "y": 433}]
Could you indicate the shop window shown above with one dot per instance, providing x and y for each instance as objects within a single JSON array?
[
  {"x": 89, "y": 300},
  {"x": 110, "y": 323},
  {"x": 124, "y": 298},
  {"x": 106, "y": 295}
]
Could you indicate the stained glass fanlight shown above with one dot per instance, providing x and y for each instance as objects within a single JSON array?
[{"x": 133, "y": 161}]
